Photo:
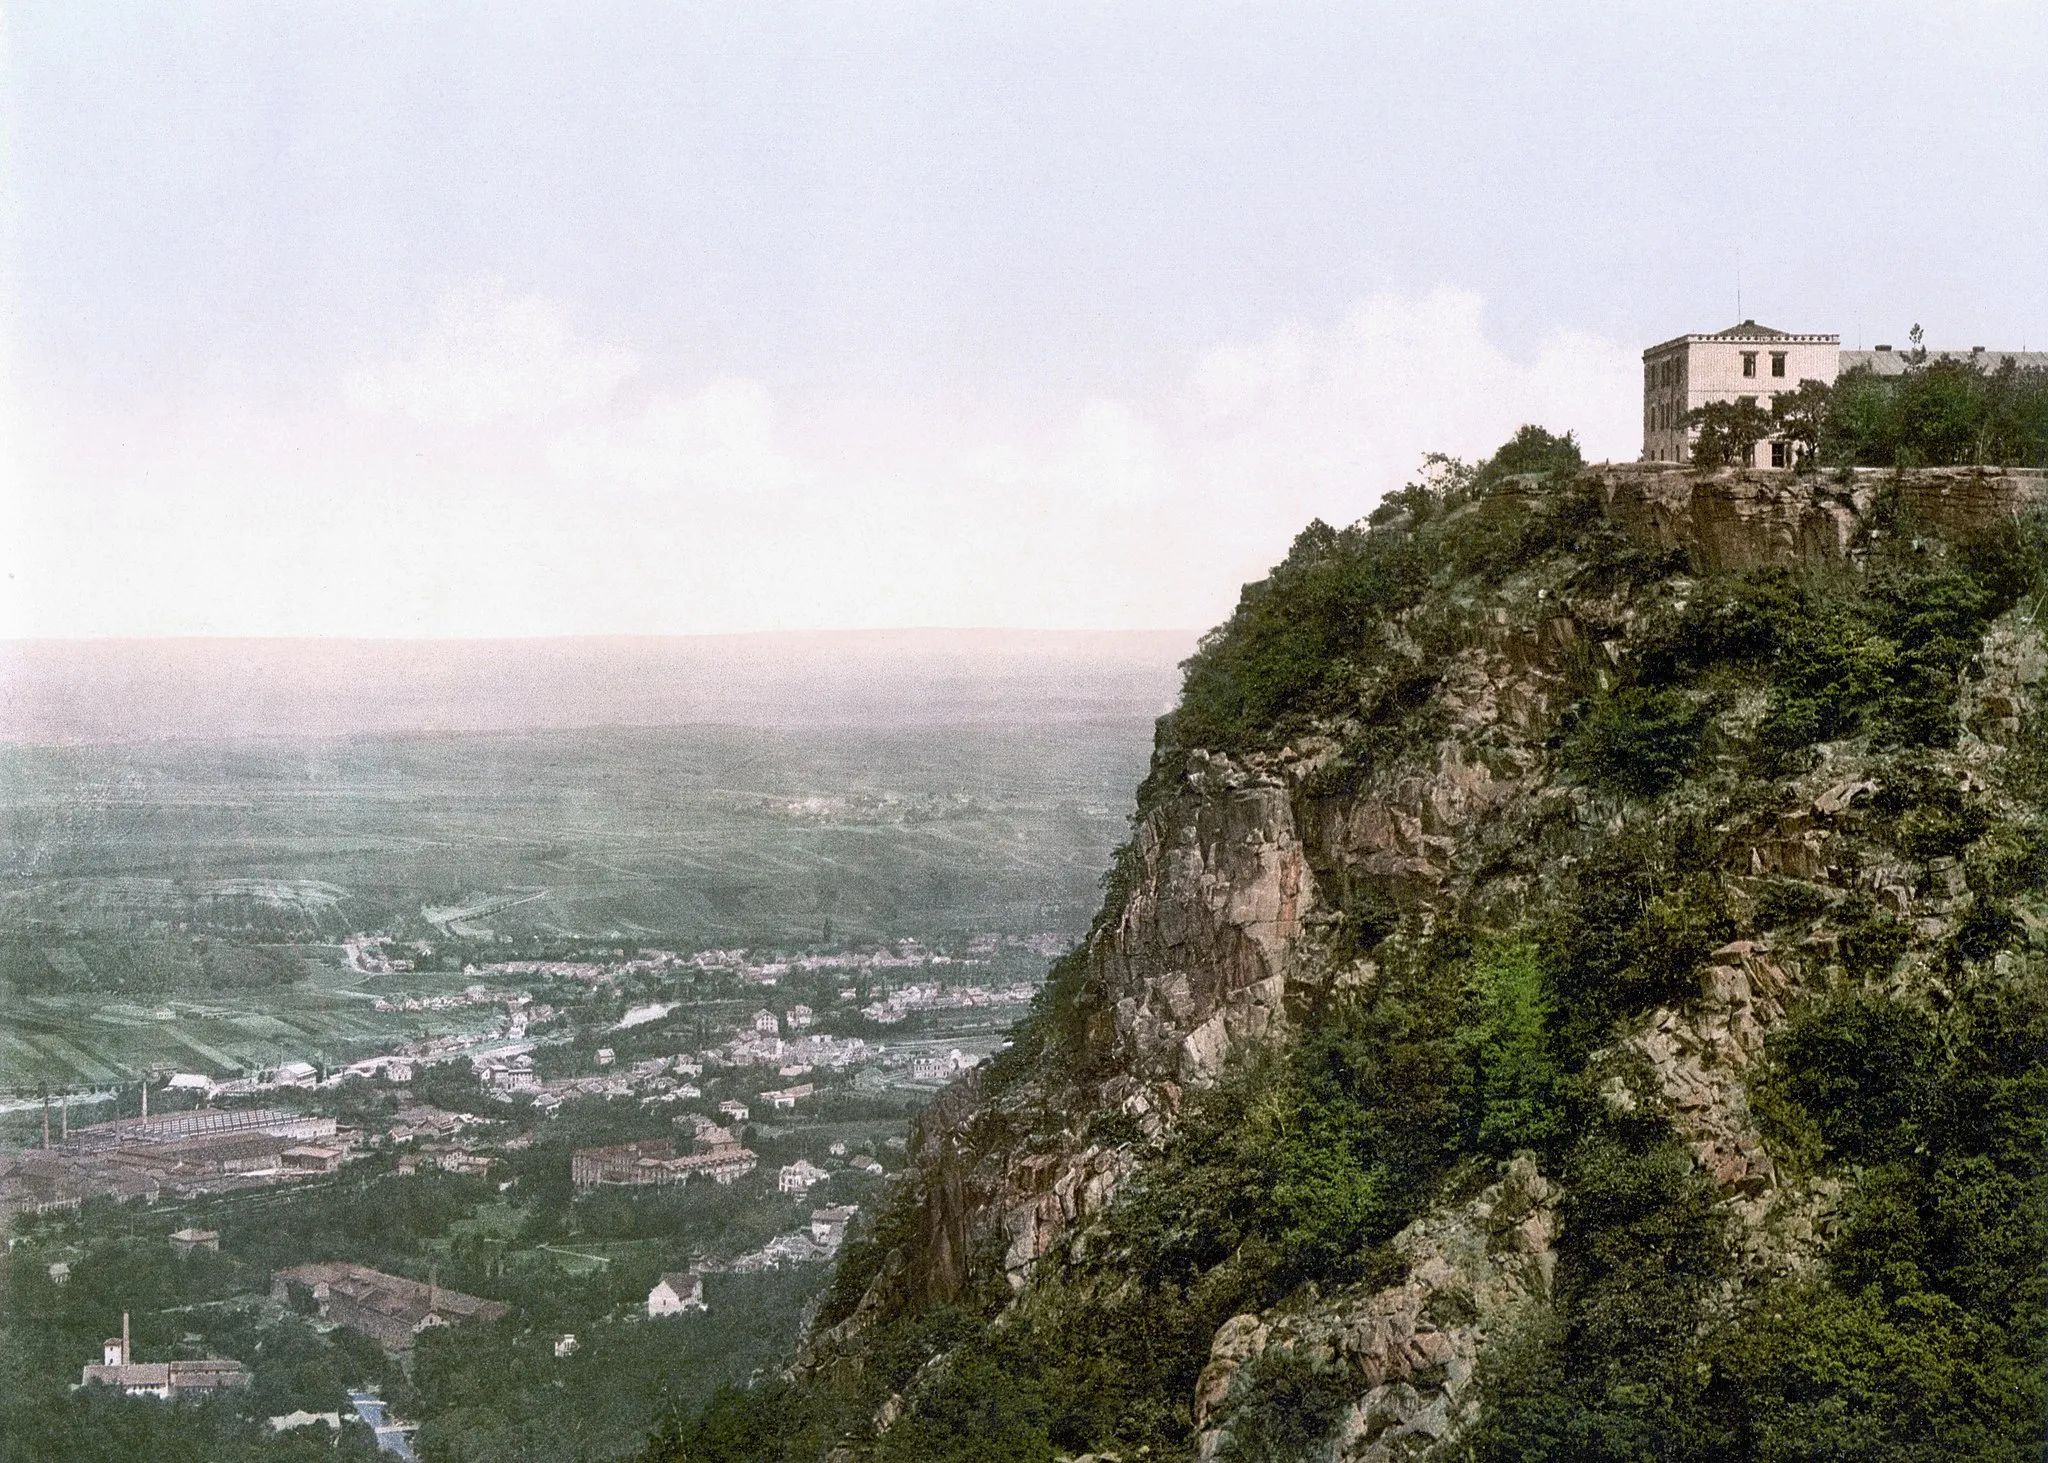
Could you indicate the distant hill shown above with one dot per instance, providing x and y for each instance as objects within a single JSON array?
[{"x": 69, "y": 691}]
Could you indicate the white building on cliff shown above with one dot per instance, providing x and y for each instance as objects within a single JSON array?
[
  {"x": 1757, "y": 362},
  {"x": 1746, "y": 360}
]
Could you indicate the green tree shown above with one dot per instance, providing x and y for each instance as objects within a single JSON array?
[
  {"x": 1507, "y": 1042},
  {"x": 1728, "y": 432},
  {"x": 1803, "y": 418}
]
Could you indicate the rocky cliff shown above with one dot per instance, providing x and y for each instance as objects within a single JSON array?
[{"x": 1604, "y": 799}]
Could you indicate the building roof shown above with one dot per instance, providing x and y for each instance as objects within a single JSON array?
[
  {"x": 195, "y": 1236},
  {"x": 210, "y": 1372},
  {"x": 1747, "y": 330},
  {"x": 132, "y": 1374},
  {"x": 1897, "y": 363},
  {"x": 681, "y": 1282},
  {"x": 394, "y": 1296}
]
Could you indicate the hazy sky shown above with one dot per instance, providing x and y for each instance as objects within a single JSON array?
[{"x": 510, "y": 319}]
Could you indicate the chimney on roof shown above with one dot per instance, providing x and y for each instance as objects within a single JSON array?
[
  {"x": 1976, "y": 350},
  {"x": 1884, "y": 347}
]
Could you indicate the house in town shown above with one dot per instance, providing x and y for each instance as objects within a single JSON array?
[
  {"x": 797, "y": 1178},
  {"x": 675, "y": 1293},
  {"x": 390, "y": 1309},
  {"x": 828, "y": 1226},
  {"x": 186, "y": 1240}
]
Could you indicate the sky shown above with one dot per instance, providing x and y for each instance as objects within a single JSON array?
[{"x": 402, "y": 320}]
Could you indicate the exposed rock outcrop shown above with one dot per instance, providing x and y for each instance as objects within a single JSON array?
[
  {"x": 1412, "y": 1349},
  {"x": 1201, "y": 956},
  {"x": 1739, "y": 519}
]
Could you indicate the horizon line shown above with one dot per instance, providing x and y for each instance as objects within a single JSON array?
[{"x": 599, "y": 635}]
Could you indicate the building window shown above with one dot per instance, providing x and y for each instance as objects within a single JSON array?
[
  {"x": 1777, "y": 363},
  {"x": 1749, "y": 363},
  {"x": 1781, "y": 454}
]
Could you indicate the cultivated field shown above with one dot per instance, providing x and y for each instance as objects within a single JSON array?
[{"x": 157, "y": 900}]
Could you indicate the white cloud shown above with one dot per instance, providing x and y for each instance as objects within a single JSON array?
[
  {"x": 602, "y": 501},
  {"x": 1328, "y": 419},
  {"x": 719, "y": 441},
  {"x": 489, "y": 355}
]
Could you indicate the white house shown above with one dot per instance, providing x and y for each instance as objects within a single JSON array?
[
  {"x": 1744, "y": 361},
  {"x": 675, "y": 1293},
  {"x": 799, "y": 1017},
  {"x": 765, "y": 1023},
  {"x": 737, "y": 1111},
  {"x": 797, "y": 1178}
]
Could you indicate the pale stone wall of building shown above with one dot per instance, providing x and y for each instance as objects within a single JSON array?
[{"x": 1691, "y": 371}]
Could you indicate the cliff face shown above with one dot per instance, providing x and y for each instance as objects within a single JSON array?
[
  {"x": 1454, "y": 779},
  {"x": 1738, "y": 520}
]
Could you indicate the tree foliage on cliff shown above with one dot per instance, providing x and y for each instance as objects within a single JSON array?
[
  {"x": 1300, "y": 637},
  {"x": 1922, "y": 1337},
  {"x": 1939, "y": 412}
]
